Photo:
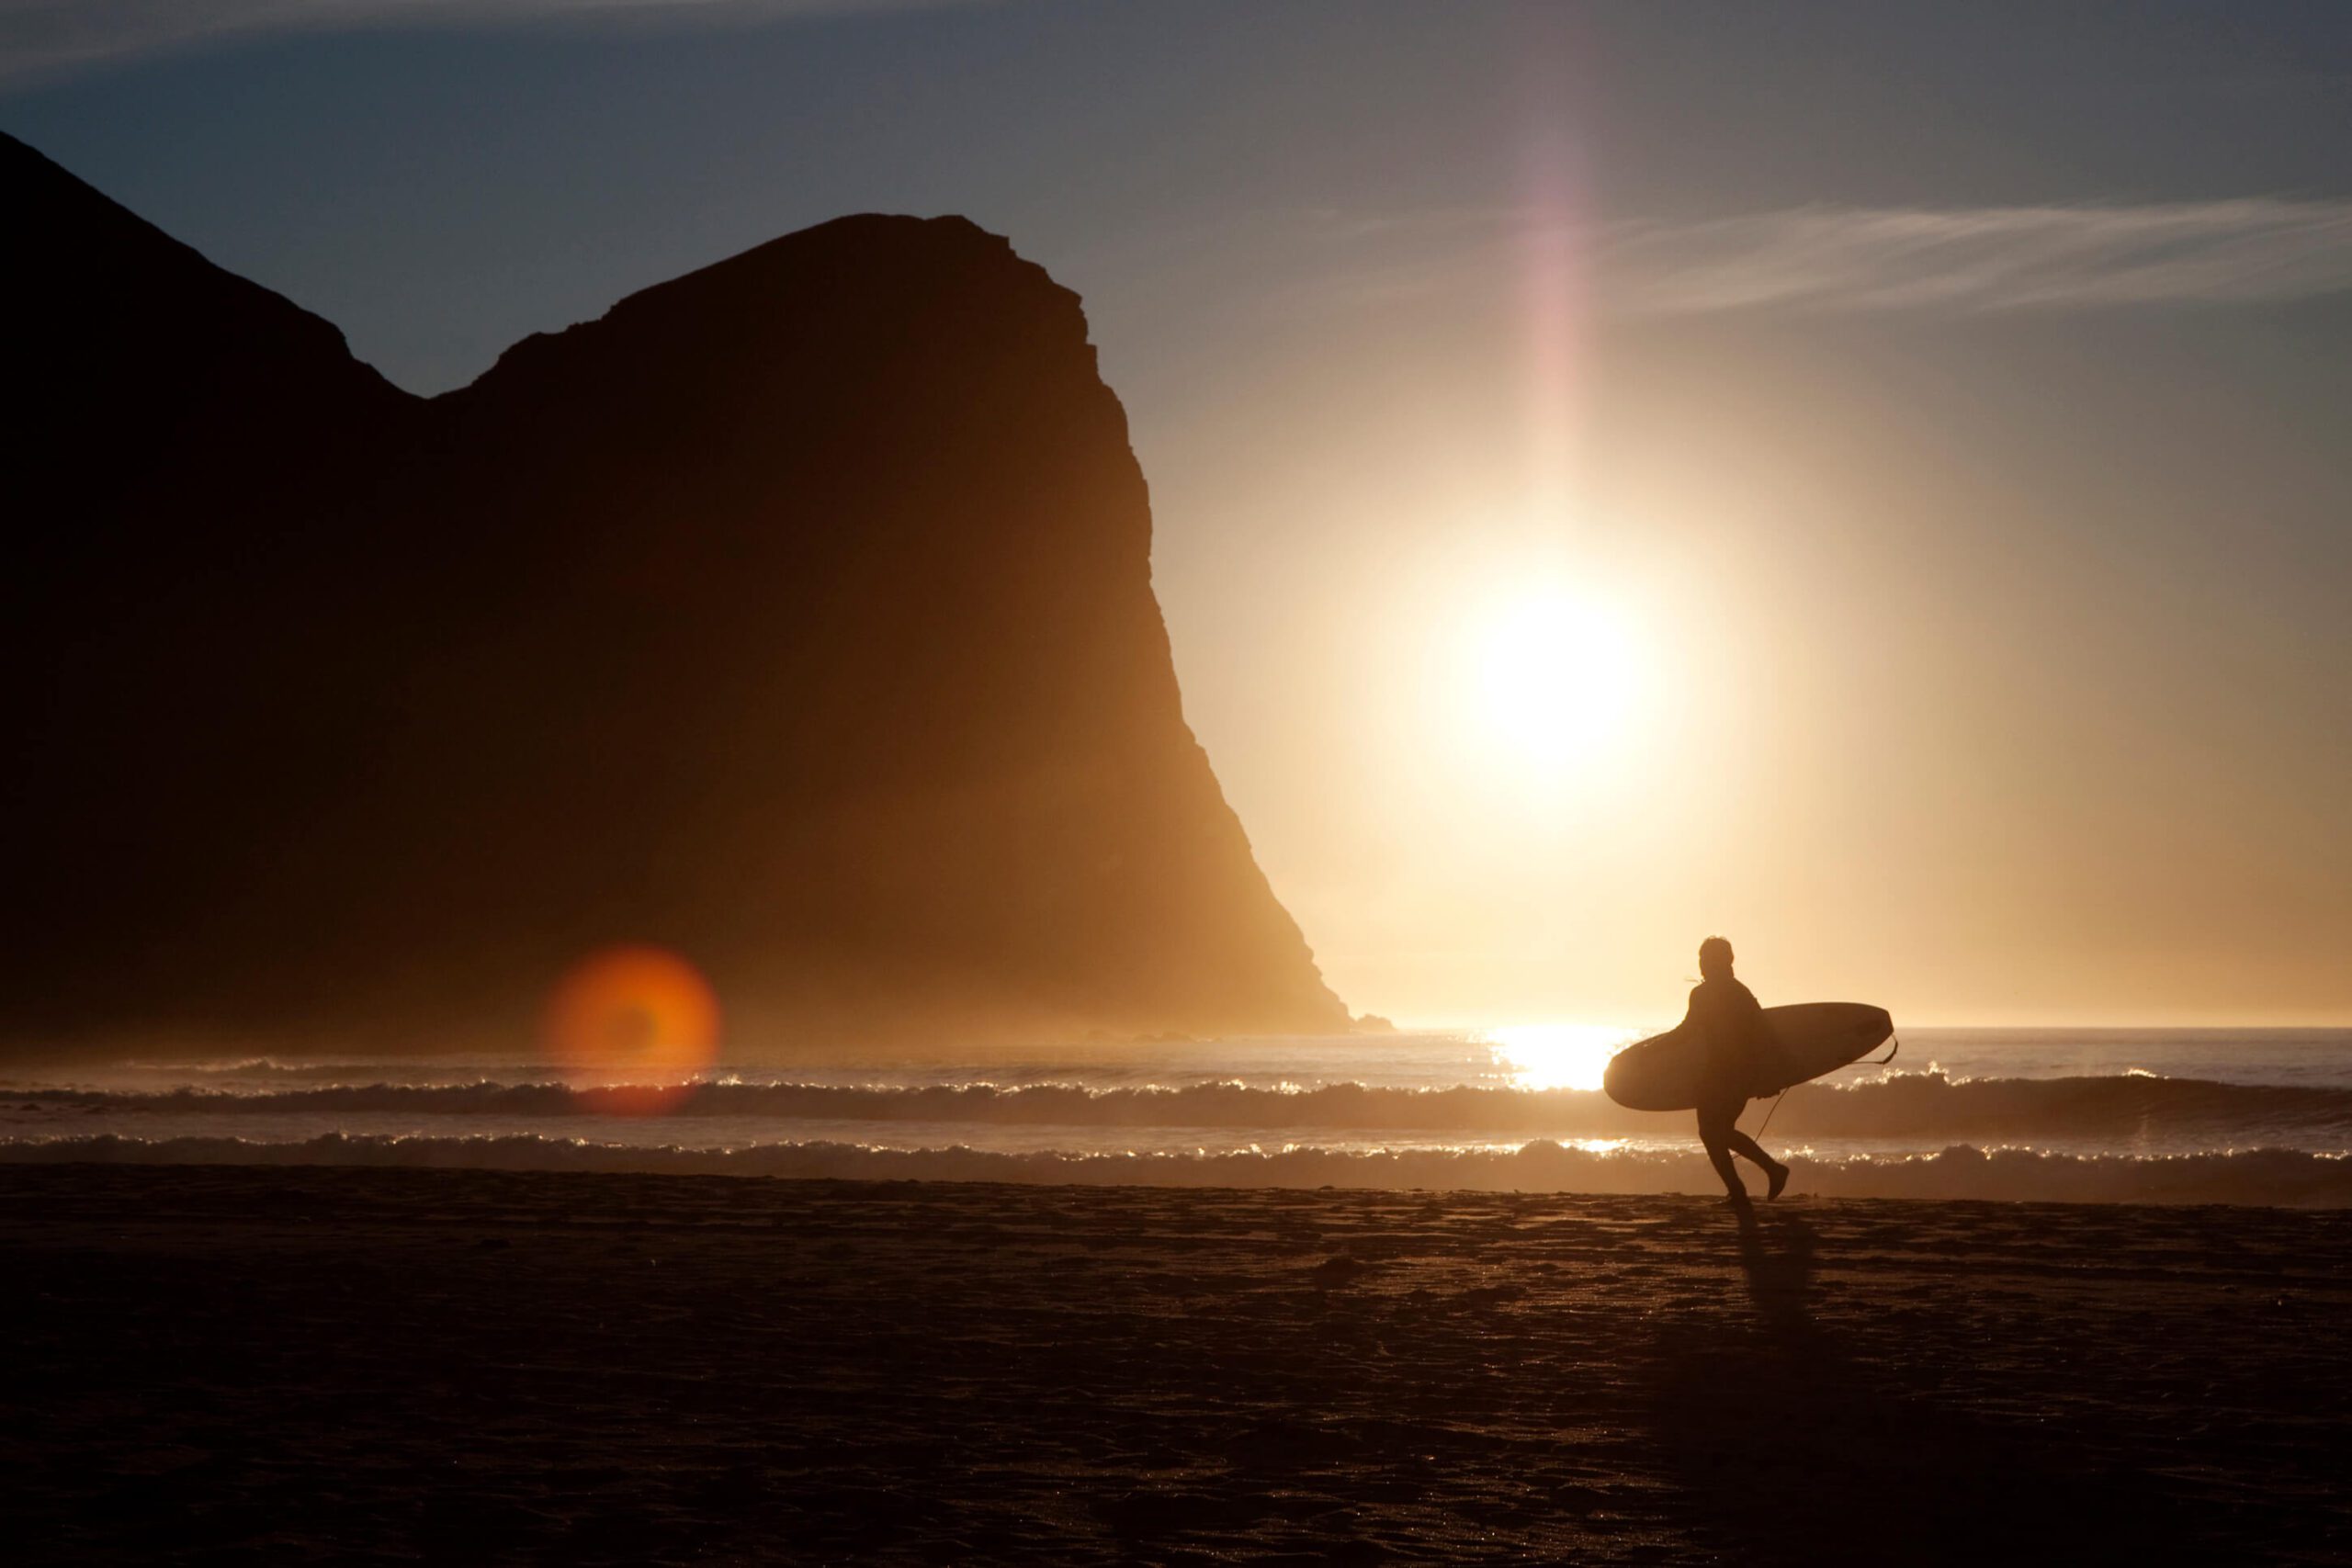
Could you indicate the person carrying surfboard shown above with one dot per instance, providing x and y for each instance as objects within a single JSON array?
[{"x": 1726, "y": 1014}]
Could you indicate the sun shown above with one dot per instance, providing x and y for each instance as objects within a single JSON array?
[{"x": 1555, "y": 674}]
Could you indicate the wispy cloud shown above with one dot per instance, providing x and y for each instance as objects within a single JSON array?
[
  {"x": 1812, "y": 260},
  {"x": 1998, "y": 258},
  {"x": 38, "y": 36}
]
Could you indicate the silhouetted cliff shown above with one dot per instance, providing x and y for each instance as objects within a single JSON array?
[{"x": 795, "y": 614}]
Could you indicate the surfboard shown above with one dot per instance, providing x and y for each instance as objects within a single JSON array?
[{"x": 1667, "y": 1071}]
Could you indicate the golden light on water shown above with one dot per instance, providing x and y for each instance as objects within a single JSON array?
[
  {"x": 630, "y": 1027},
  {"x": 1557, "y": 1055}
]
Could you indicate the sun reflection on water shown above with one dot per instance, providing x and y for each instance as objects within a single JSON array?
[{"x": 1557, "y": 1055}]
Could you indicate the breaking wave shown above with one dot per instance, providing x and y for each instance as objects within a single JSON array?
[
  {"x": 1914, "y": 1105},
  {"x": 2276, "y": 1177}
]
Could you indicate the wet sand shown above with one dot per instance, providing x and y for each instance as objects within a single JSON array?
[{"x": 344, "y": 1365}]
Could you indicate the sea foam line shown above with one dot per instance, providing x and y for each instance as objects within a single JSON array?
[
  {"x": 2274, "y": 1177},
  {"x": 1912, "y": 1105}
]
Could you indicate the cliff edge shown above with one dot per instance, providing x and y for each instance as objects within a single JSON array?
[{"x": 795, "y": 616}]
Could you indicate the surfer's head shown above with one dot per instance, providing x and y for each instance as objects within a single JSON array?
[{"x": 1715, "y": 959}]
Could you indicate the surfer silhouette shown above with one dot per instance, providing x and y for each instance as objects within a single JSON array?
[{"x": 1726, "y": 1015}]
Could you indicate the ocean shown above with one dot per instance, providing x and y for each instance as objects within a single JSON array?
[{"x": 2244, "y": 1116}]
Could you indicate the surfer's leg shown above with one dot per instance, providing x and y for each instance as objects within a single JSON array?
[
  {"x": 1741, "y": 1144},
  {"x": 1716, "y": 1130},
  {"x": 1748, "y": 1148}
]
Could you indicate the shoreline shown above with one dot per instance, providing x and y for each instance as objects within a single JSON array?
[
  {"x": 344, "y": 1364},
  {"x": 2254, "y": 1179}
]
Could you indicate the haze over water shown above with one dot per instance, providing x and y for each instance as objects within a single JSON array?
[{"x": 2261, "y": 1116}]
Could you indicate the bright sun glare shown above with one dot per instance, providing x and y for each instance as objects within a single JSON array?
[
  {"x": 1557, "y": 674},
  {"x": 1555, "y": 1055}
]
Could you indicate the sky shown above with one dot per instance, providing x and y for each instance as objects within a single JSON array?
[{"x": 1872, "y": 481}]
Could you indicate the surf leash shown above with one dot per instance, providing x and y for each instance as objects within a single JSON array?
[{"x": 1875, "y": 1062}]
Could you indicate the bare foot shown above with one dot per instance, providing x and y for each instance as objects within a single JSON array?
[{"x": 1780, "y": 1180}]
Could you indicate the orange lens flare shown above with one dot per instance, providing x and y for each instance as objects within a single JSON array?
[{"x": 629, "y": 1027}]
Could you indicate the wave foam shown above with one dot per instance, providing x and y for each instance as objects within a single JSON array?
[
  {"x": 2274, "y": 1177},
  {"x": 1916, "y": 1105}
]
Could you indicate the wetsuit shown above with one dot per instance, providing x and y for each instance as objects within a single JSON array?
[{"x": 1729, "y": 1017}]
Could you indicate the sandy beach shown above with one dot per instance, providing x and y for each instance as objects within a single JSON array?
[{"x": 342, "y": 1365}]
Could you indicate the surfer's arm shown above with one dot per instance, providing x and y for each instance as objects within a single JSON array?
[
  {"x": 1699, "y": 1022},
  {"x": 1761, "y": 1051},
  {"x": 1705, "y": 1020}
]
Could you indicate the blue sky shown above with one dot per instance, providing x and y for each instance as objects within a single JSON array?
[
  {"x": 1959, "y": 388},
  {"x": 439, "y": 177}
]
